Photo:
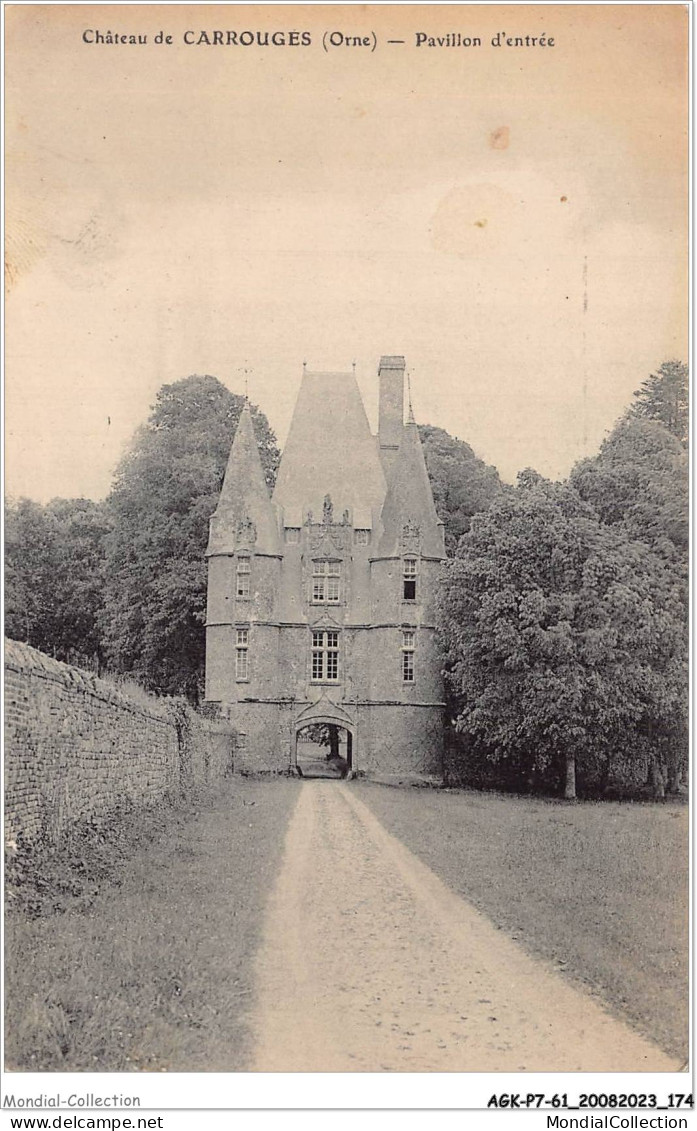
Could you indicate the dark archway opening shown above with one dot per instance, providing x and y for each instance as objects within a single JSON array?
[{"x": 324, "y": 750}]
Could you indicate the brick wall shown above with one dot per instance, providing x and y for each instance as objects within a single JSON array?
[{"x": 77, "y": 746}]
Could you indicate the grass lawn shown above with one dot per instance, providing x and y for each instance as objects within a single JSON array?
[
  {"x": 600, "y": 889},
  {"x": 156, "y": 973}
]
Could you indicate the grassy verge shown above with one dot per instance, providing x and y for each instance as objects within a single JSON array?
[
  {"x": 146, "y": 964},
  {"x": 600, "y": 889}
]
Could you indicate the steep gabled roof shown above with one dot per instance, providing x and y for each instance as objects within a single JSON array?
[
  {"x": 329, "y": 450},
  {"x": 244, "y": 499},
  {"x": 409, "y": 499}
]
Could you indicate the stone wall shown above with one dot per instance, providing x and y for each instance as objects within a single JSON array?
[{"x": 77, "y": 746}]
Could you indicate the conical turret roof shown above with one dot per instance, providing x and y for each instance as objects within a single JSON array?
[
  {"x": 245, "y": 514},
  {"x": 409, "y": 500}
]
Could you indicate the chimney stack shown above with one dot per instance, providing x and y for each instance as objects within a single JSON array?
[{"x": 391, "y": 416}]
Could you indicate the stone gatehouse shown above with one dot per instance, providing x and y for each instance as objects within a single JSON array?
[{"x": 321, "y": 598}]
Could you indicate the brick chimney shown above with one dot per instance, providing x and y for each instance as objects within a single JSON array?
[{"x": 391, "y": 418}]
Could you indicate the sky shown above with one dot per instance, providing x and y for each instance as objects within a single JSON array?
[{"x": 512, "y": 220}]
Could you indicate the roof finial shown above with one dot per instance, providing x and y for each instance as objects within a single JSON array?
[
  {"x": 304, "y": 367},
  {"x": 410, "y": 415},
  {"x": 353, "y": 366},
  {"x": 245, "y": 370}
]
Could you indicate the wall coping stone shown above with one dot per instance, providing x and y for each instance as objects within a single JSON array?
[{"x": 21, "y": 657}]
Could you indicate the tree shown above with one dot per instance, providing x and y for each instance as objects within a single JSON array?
[
  {"x": 30, "y": 562},
  {"x": 82, "y": 527},
  {"x": 639, "y": 480},
  {"x": 165, "y": 489},
  {"x": 54, "y": 577},
  {"x": 664, "y": 397},
  {"x": 564, "y": 639},
  {"x": 462, "y": 484}
]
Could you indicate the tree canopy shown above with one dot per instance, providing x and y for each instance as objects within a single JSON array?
[
  {"x": 639, "y": 480},
  {"x": 565, "y": 640},
  {"x": 54, "y": 558},
  {"x": 462, "y": 484},
  {"x": 165, "y": 489},
  {"x": 664, "y": 397},
  {"x": 564, "y": 611}
]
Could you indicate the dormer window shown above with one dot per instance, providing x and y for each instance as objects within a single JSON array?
[
  {"x": 244, "y": 569},
  {"x": 361, "y": 537},
  {"x": 409, "y": 574},
  {"x": 326, "y": 582}
]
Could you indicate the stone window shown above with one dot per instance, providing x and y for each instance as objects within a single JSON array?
[
  {"x": 408, "y": 648},
  {"x": 325, "y": 657},
  {"x": 244, "y": 569},
  {"x": 409, "y": 579},
  {"x": 293, "y": 534},
  {"x": 361, "y": 537},
  {"x": 326, "y": 582},
  {"x": 242, "y": 655}
]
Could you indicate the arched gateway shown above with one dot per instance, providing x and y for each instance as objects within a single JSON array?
[
  {"x": 322, "y": 598},
  {"x": 325, "y": 712}
]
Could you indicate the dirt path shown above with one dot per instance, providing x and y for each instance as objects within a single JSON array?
[{"x": 370, "y": 963}]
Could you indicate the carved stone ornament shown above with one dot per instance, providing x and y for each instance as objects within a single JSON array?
[
  {"x": 327, "y": 510},
  {"x": 246, "y": 531},
  {"x": 411, "y": 536},
  {"x": 328, "y": 541}
]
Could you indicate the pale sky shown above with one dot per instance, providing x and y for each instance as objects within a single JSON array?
[{"x": 193, "y": 209}]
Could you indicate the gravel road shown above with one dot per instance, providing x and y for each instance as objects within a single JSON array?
[{"x": 370, "y": 963}]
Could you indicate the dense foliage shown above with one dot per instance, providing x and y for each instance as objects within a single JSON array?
[
  {"x": 462, "y": 484},
  {"x": 639, "y": 481},
  {"x": 565, "y": 640},
  {"x": 663, "y": 397},
  {"x": 54, "y": 558},
  {"x": 165, "y": 490},
  {"x": 564, "y": 616}
]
